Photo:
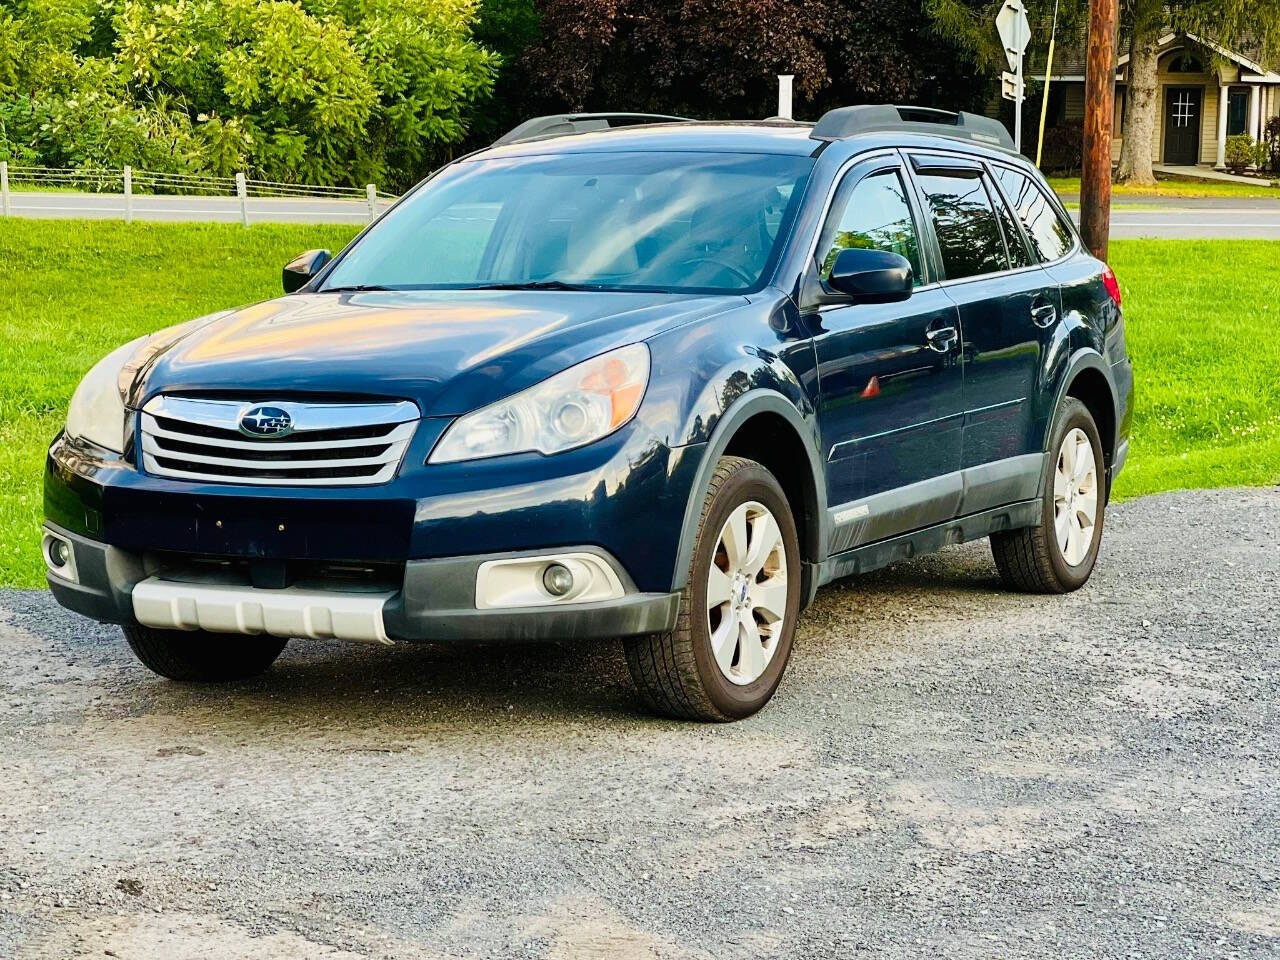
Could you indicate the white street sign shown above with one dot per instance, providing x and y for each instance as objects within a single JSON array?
[
  {"x": 1009, "y": 85},
  {"x": 1015, "y": 34},
  {"x": 1014, "y": 30}
]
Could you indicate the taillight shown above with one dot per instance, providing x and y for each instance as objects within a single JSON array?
[{"x": 1111, "y": 283}]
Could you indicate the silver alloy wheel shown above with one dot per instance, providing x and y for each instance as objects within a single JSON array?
[
  {"x": 1075, "y": 497},
  {"x": 747, "y": 593}
]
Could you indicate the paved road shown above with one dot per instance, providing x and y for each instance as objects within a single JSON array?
[
  {"x": 948, "y": 770},
  {"x": 1133, "y": 217},
  {"x": 1188, "y": 222},
  {"x": 106, "y": 206},
  {"x": 1256, "y": 217},
  {"x": 1125, "y": 202}
]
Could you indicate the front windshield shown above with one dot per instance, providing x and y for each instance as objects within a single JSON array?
[{"x": 695, "y": 222}]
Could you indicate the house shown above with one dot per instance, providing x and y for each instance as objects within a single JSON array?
[{"x": 1207, "y": 92}]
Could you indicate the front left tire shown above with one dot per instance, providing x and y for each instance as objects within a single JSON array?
[{"x": 738, "y": 610}]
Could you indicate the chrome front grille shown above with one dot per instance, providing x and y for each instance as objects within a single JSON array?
[{"x": 327, "y": 444}]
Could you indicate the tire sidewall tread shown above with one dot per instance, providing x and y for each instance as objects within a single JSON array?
[
  {"x": 1030, "y": 559},
  {"x": 676, "y": 672}
]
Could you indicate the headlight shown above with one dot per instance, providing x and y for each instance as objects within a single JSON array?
[
  {"x": 577, "y": 406},
  {"x": 97, "y": 412}
]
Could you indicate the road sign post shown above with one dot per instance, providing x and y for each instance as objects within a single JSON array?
[{"x": 1015, "y": 34}]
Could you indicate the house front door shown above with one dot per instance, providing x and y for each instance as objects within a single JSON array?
[{"x": 1182, "y": 124}]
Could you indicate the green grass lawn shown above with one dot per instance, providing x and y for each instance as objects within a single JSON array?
[
  {"x": 1175, "y": 187},
  {"x": 1202, "y": 317},
  {"x": 71, "y": 290}
]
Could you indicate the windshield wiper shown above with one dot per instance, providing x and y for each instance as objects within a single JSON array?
[
  {"x": 356, "y": 288},
  {"x": 534, "y": 285}
]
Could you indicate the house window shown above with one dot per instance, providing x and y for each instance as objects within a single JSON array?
[
  {"x": 1183, "y": 109},
  {"x": 1237, "y": 111},
  {"x": 1185, "y": 63}
]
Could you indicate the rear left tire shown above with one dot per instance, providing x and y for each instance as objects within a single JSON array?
[
  {"x": 1057, "y": 555},
  {"x": 194, "y": 656}
]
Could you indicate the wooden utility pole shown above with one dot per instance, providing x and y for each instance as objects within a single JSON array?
[{"x": 1099, "y": 110}]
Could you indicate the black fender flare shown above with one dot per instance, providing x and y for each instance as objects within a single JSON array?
[
  {"x": 1083, "y": 358},
  {"x": 749, "y": 405},
  {"x": 1086, "y": 358}
]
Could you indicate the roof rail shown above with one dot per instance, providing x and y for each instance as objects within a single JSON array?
[
  {"x": 847, "y": 121},
  {"x": 563, "y": 124}
]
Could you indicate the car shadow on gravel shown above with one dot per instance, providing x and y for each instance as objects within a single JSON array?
[
  {"x": 413, "y": 684},
  {"x": 418, "y": 683}
]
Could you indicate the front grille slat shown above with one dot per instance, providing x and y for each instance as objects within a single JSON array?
[
  {"x": 213, "y": 454},
  {"x": 336, "y": 444},
  {"x": 335, "y": 435}
]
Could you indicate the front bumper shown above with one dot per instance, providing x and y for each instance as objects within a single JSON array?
[
  {"x": 434, "y": 600},
  {"x": 428, "y": 531}
]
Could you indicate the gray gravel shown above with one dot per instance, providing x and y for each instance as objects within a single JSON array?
[{"x": 948, "y": 769}]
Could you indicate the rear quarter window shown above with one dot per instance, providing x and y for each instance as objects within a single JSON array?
[{"x": 1050, "y": 237}]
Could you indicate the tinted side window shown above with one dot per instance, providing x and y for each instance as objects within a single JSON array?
[
  {"x": 1050, "y": 237},
  {"x": 1018, "y": 255},
  {"x": 876, "y": 216},
  {"x": 965, "y": 223}
]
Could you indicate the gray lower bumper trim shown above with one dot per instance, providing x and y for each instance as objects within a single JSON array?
[{"x": 288, "y": 612}]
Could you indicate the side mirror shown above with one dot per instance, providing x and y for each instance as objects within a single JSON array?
[
  {"x": 298, "y": 271},
  {"x": 871, "y": 276}
]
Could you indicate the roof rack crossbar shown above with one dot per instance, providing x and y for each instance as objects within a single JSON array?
[
  {"x": 564, "y": 124},
  {"x": 868, "y": 118}
]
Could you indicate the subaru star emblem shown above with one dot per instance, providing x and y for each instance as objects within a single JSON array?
[{"x": 266, "y": 422}]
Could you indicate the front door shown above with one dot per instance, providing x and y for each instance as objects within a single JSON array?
[
  {"x": 1182, "y": 125},
  {"x": 891, "y": 379}
]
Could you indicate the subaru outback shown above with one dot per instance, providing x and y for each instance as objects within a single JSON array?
[{"x": 614, "y": 376}]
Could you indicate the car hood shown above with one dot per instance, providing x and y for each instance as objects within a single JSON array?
[{"x": 450, "y": 351}]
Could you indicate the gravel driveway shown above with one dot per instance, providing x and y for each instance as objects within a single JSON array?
[{"x": 948, "y": 769}]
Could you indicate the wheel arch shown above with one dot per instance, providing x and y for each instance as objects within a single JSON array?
[
  {"x": 1089, "y": 380},
  {"x": 765, "y": 426}
]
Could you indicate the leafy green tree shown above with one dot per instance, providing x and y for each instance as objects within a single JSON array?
[
  {"x": 718, "y": 58},
  {"x": 326, "y": 91},
  {"x": 508, "y": 28}
]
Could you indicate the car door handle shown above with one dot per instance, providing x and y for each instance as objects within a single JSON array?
[
  {"x": 1044, "y": 315},
  {"x": 941, "y": 339}
]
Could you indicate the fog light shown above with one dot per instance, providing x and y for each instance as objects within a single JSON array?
[
  {"x": 58, "y": 552},
  {"x": 58, "y": 557},
  {"x": 557, "y": 579}
]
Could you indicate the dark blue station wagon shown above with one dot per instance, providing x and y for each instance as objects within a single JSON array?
[{"x": 614, "y": 376}]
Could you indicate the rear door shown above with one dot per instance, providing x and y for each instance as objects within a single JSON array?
[
  {"x": 1007, "y": 305},
  {"x": 892, "y": 385},
  {"x": 1053, "y": 244}
]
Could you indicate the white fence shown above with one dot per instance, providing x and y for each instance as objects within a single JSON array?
[{"x": 129, "y": 184}]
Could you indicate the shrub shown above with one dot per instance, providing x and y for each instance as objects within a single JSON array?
[
  {"x": 1063, "y": 148},
  {"x": 1243, "y": 152}
]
